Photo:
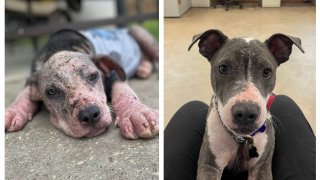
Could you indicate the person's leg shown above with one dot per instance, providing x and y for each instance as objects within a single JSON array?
[
  {"x": 294, "y": 156},
  {"x": 295, "y": 152},
  {"x": 182, "y": 141}
]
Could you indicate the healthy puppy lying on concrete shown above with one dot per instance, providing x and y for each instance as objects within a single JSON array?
[
  {"x": 72, "y": 78},
  {"x": 239, "y": 133}
]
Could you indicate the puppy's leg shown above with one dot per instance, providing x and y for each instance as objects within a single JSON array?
[
  {"x": 20, "y": 111},
  {"x": 207, "y": 166},
  {"x": 144, "y": 69},
  {"x": 262, "y": 171},
  {"x": 148, "y": 44},
  {"x": 132, "y": 117}
]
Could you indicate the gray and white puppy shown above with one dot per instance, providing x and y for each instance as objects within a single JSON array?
[{"x": 243, "y": 75}]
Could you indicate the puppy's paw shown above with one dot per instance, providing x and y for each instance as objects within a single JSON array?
[
  {"x": 137, "y": 121},
  {"x": 16, "y": 118}
]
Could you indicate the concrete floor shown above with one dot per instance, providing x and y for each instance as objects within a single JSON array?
[
  {"x": 187, "y": 73},
  {"x": 40, "y": 151}
]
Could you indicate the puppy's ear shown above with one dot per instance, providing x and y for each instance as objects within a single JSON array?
[
  {"x": 106, "y": 64},
  {"x": 210, "y": 42},
  {"x": 280, "y": 45},
  {"x": 32, "y": 81}
]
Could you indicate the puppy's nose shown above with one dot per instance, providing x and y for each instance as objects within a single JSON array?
[
  {"x": 245, "y": 112},
  {"x": 89, "y": 115}
]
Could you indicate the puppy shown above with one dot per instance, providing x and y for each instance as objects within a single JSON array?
[
  {"x": 75, "y": 72},
  {"x": 239, "y": 134}
]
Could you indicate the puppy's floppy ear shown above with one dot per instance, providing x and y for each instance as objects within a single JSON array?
[
  {"x": 210, "y": 41},
  {"x": 106, "y": 64},
  {"x": 280, "y": 45},
  {"x": 32, "y": 81}
]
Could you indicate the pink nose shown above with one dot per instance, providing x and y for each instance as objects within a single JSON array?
[{"x": 90, "y": 115}]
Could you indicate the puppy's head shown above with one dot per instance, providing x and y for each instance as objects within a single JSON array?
[
  {"x": 70, "y": 85},
  {"x": 243, "y": 75}
]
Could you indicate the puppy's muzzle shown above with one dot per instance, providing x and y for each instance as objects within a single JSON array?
[
  {"x": 89, "y": 115},
  {"x": 245, "y": 113}
]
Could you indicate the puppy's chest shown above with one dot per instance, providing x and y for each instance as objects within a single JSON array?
[
  {"x": 244, "y": 160},
  {"x": 224, "y": 147}
]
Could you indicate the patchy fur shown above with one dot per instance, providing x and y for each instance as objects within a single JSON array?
[{"x": 70, "y": 78}]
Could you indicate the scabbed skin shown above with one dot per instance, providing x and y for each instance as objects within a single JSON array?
[
  {"x": 69, "y": 72},
  {"x": 65, "y": 64},
  {"x": 20, "y": 111},
  {"x": 134, "y": 118}
]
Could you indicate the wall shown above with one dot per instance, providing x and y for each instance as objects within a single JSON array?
[
  {"x": 184, "y": 5},
  {"x": 282, "y": 1},
  {"x": 200, "y": 3},
  {"x": 175, "y": 8},
  {"x": 93, "y": 10}
]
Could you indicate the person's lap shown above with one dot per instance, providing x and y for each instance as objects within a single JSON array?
[{"x": 294, "y": 156}]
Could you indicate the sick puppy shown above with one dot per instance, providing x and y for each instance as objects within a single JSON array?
[
  {"x": 75, "y": 72},
  {"x": 239, "y": 133}
]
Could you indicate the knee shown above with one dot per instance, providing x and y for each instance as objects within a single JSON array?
[
  {"x": 194, "y": 105},
  {"x": 192, "y": 113},
  {"x": 284, "y": 101},
  {"x": 194, "y": 109}
]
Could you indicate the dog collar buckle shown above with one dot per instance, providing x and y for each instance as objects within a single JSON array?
[{"x": 239, "y": 139}]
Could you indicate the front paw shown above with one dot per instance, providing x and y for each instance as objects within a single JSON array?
[
  {"x": 138, "y": 120},
  {"x": 16, "y": 119}
]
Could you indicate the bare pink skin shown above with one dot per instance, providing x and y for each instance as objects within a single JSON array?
[
  {"x": 250, "y": 94},
  {"x": 20, "y": 111},
  {"x": 66, "y": 71},
  {"x": 132, "y": 117},
  {"x": 78, "y": 93}
]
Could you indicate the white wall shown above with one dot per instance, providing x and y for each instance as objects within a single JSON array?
[
  {"x": 200, "y": 3},
  {"x": 184, "y": 6},
  {"x": 94, "y": 10},
  {"x": 171, "y": 8},
  {"x": 175, "y": 8},
  {"x": 271, "y": 3}
]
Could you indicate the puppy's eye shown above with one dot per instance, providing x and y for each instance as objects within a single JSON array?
[
  {"x": 223, "y": 69},
  {"x": 51, "y": 92},
  {"x": 93, "y": 77},
  {"x": 267, "y": 72}
]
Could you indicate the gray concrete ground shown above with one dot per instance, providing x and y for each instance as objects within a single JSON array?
[{"x": 40, "y": 151}]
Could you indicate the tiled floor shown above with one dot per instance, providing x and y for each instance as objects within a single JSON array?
[{"x": 187, "y": 73}]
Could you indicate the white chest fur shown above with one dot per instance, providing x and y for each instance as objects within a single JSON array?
[{"x": 224, "y": 147}]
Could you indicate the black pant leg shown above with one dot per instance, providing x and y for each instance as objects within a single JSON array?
[
  {"x": 294, "y": 155},
  {"x": 182, "y": 141}
]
